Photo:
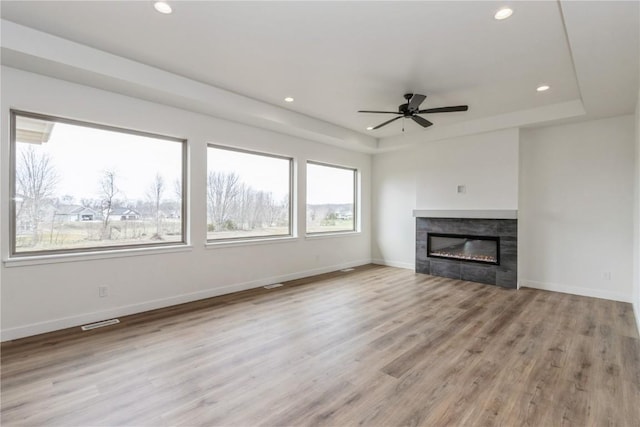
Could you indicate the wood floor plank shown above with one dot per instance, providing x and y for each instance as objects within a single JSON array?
[{"x": 377, "y": 346}]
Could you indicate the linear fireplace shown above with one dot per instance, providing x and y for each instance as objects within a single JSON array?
[
  {"x": 446, "y": 242},
  {"x": 482, "y": 249}
]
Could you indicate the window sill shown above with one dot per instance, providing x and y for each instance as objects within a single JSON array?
[
  {"x": 331, "y": 235},
  {"x": 89, "y": 256},
  {"x": 249, "y": 242}
]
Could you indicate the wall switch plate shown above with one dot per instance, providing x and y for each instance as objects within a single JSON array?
[
  {"x": 103, "y": 291},
  {"x": 462, "y": 189}
]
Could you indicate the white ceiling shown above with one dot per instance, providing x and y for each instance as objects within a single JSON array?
[{"x": 335, "y": 58}]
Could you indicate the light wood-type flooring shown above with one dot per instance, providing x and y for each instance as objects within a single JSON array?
[{"x": 377, "y": 346}]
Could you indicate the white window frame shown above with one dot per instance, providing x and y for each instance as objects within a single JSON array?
[
  {"x": 229, "y": 241},
  {"x": 92, "y": 251},
  {"x": 356, "y": 199}
]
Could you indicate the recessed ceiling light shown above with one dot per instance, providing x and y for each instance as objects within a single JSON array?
[
  {"x": 503, "y": 13},
  {"x": 288, "y": 99},
  {"x": 542, "y": 88},
  {"x": 369, "y": 127},
  {"x": 162, "y": 7}
]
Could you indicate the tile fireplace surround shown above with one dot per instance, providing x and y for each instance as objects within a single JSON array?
[{"x": 498, "y": 223}]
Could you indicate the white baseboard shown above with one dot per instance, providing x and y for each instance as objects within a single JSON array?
[
  {"x": 399, "y": 264},
  {"x": 82, "y": 319},
  {"x": 575, "y": 290}
]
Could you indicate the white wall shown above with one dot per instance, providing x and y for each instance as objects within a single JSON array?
[
  {"x": 393, "y": 201},
  {"x": 44, "y": 297},
  {"x": 636, "y": 219},
  {"x": 573, "y": 186},
  {"x": 486, "y": 164},
  {"x": 426, "y": 177},
  {"x": 576, "y": 208}
]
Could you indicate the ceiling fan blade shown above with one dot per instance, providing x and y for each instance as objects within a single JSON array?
[
  {"x": 415, "y": 101},
  {"x": 421, "y": 121},
  {"x": 383, "y": 112},
  {"x": 387, "y": 122},
  {"x": 445, "y": 109}
]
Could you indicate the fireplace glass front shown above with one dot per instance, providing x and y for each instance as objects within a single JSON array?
[{"x": 483, "y": 249}]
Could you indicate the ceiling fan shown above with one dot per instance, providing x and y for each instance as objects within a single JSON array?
[{"x": 411, "y": 109}]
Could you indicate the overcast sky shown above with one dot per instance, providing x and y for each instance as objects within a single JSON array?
[
  {"x": 329, "y": 185},
  {"x": 81, "y": 155},
  {"x": 262, "y": 173}
]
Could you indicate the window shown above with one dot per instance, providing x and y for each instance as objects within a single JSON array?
[
  {"x": 248, "y": 194},
  {"x": 331, "y": 198},
  {"x": 78, "y": 186}
]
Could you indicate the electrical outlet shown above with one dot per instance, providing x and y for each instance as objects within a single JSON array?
[
  {"x": 606, "y": 275},
  {"x": 103, "y": 291},
  {"x": 462, "y": 189}
]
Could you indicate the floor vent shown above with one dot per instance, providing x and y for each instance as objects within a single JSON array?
[
  {"x": 275, "y": 285},
  {"x": 96, "y": 325},
  {"x": 346, "y": 270}
]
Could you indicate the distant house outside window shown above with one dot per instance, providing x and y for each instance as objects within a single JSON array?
[
  {"x": 78, "y": 186},
  {"x": 331, "y": 198},
  {"x": 248, "y": 194}
]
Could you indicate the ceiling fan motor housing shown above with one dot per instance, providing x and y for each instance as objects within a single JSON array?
[{"x": 411, "y": 109}]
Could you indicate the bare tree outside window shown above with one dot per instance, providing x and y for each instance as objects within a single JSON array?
[
  {"x": 74, "y": 185},
  {"x": 177, "y": 188},
  {"x": 248, "y": 194},
  {"x": 222, "y": 191},
  {"x": 154, "y": 194},
  {"x": 109, "y": 192},
  {"x": 36, "y": 180}
]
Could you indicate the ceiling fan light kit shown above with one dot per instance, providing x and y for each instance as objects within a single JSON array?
[{"x": 411, "y": 109}]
